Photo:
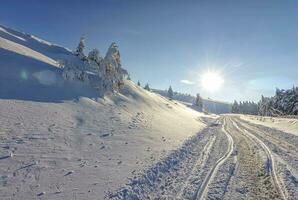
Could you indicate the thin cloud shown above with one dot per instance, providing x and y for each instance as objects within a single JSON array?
[{"x": 188, "y": 82}]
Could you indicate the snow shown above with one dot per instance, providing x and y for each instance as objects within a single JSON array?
[
  {"x": 209, "y": 105},
  {"x": 103, "y": 143},
  {"x": 41, "y": 40},
  {"x": 20, "y": 38},
  {"x": 59, "y": 140},
  {"x": 289, "y": 125},
  {"x": 25, "y": 51}
]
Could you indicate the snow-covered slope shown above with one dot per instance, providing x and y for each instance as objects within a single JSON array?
[
  {"x": 209, "y": 105},
  {"x": 29, "y": 69},
  {"x": 288, "y": 125},
  {"x": 59, "y": 140}
]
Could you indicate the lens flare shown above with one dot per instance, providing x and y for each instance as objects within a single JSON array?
[{"x": 24, "y": 75}]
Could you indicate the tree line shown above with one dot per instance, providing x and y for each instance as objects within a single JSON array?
[
  {"x": 245, "y": 107},
  {"x": 284, "y": 102}
]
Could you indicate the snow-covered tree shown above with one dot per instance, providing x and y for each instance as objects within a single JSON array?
[
  {"x": 106, "y": 75},
  {"x": 114, "y": 74},
  {"x": 235, "y": 107},
  {"x": 75, "y": 71},
  {"x": 170, "y": 92},
  {"x": 139, "y": 84},
  {"x": 81, "y": 47},
  {"x": 199, "y": 102},
  {"x": 113, "y": 56},
  {"x": 94, "y": 56},
  {"x": 284, "y": 102},
  {"x": 147, "y": 87}
]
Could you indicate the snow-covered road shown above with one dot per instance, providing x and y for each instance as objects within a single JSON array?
[
  {"x": 270, "y": 160},
  {"x": 202, "y": 193},
  {"x": 233, "y": 159}
]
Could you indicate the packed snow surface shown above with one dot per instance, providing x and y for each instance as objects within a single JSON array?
[
  {"x": 288, "y": 125},
  {"x": 59, "y": 140}
]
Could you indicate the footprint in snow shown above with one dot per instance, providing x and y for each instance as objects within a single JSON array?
[
  {"x": 4, "y": 154},
  {"x": 68, "y": 173},
  {"x": 40, "y": 194},
  {"x": 105, "y": 135}
]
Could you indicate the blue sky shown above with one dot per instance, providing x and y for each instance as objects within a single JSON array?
[{"x": 253, "y": 44}]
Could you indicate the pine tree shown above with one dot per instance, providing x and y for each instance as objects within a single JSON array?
[
  {"x": 170, "y": 93},
  {"x": 139, "y": 84},
  {"x": 199, "y": 102},
  {"x": 245, "y": 107},
  {"x": 80, "y": 48},
  {"x": 235, "y": 107},
  {"x": 147, "y": 87}
]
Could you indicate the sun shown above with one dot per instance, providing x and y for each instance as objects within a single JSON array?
[{"x": 212, "y": 81}]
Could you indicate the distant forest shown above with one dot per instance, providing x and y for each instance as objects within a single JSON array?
[
  {"x": 209, "y": 105},
  {"x": 283, "y": 103}
]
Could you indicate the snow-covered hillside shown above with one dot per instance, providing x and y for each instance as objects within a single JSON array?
[
  {"x": 29, "y": 70},
  {"x": 60, "y": 140},
  {"x": 209, "y": 105}
]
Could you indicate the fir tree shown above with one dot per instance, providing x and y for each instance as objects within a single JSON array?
[
  {"x": 170, "y": 93},
  {"x": 81, "y": 48},
  {"x": 199, "y": 102},
  {"x": 235, "y": 107},
  {"x": 147, "y": 87},
  {"x": 245, "y": 107},
  {"x": 284, "y": 102}
]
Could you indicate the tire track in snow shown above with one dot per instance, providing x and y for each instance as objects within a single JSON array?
[
  {"x": 285, "y": 154},
  {"x": 200, "y": 163},
  {"x": 270, "y": 159},
  {"x": 267, "y": 135},
  {"x": 203, "y": 190}
]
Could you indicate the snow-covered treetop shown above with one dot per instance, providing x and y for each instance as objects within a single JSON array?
[
  {"x": 95, "y": 56},
  {"x": 113, "y": 55},
  {"x": 81, "y": 47}
]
